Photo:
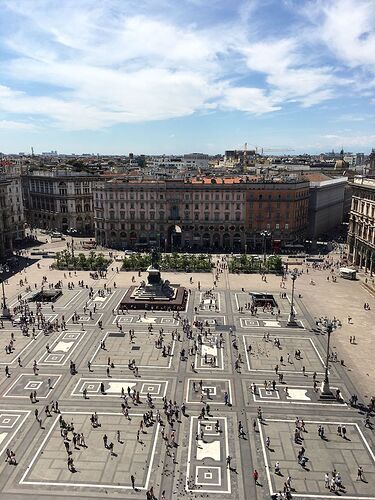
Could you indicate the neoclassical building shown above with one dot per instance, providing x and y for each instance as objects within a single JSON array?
[
  {"x": 60, "y": 200},
  {"x": 230, "y": 214},
  {"x": 361, "y": 237},
  {"x": 6, "y": 244}
]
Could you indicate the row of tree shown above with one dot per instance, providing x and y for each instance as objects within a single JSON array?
[
  {"x": 251, "y": 264},
  {"x": 170, "y": 262},
  {"x": 81, "y": 262}
]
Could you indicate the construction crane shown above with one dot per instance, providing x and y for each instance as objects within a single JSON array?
[
  {"x": 270, "y": 149},
  {"x": 278, "y": 150}
]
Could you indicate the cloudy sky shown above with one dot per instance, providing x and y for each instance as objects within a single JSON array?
[{"x": 174, "y": 76}]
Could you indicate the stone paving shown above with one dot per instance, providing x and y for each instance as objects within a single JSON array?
[{"x": 190, "y": 458}]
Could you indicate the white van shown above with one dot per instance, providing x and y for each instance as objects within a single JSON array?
[
  {"x": 55, "y": 234},
  {"x": 347, "y": 273}
]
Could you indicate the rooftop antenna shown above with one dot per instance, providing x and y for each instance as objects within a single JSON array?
[{"x": 32, "y": 151}]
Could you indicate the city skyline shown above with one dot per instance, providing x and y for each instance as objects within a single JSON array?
[{"x": 156, "y": 77}]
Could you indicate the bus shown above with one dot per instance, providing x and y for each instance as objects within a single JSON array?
[{"x": 347, "y": 273}]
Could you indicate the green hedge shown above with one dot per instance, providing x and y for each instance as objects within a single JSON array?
[
  {"x": 249, "y": 264},
  {"x": 170, "y": 262},
  {"x": 80, "y": 262}
]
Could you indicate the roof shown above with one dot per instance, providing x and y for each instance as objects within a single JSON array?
[
  {"x": 316, "y": 176},
  {"x": 217, "y": 180}
]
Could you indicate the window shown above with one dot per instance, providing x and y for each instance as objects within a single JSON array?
[
  {"x": 277, "y": 226},
  {"x": 206, "y": 216},
  {"x": 226, "y": 217},
  {"x": 286, "y": 226}
]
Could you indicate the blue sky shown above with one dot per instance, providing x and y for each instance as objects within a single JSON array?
[{"x": 167, "y": 76}]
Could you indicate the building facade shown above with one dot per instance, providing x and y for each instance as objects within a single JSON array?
[
  {"x": 326, "y": 206},
  {"x": 6, "y": 240},
  {"x": 361, "y": 236},
  {"x": 200, "y": 214},
  {"x": 60, "y": 200},
  {"x": 16, "y": 207}
]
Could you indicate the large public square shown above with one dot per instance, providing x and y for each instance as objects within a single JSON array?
[{"x": 188, "y": 456}]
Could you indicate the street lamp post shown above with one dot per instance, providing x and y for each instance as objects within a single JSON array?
[
  {"x": 292, "y": 315},
  {"x": 5, "y": 310},
  {"x": 265, "y": 234},
  {"x": 325, "y": 391}
]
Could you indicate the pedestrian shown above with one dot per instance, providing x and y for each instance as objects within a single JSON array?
[
  {"x": 255, "y": 476},
  {"x": 132, "y": 479},
  {"x": 360, "y": 474},
  {"x": 277, "y": 468},
  {"x": 343, "y": 431},
  {"x": 326, "y": 480}
]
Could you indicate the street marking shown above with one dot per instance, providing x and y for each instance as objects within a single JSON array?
[
  {"x": 303, "y": 495},
  {"x": 139, "y": 366},
  {"x": 154, "y": 387},
  {"x": 281, "y": 337},
  {"x": 67, "y": 347},
  {"x": 15, "y": 413},
  {"x": 208, "y": 468},
  {"x": 88, "y": 485},
  {"x": 210, "y": 381},
  {"x": 26, "y": 375}
]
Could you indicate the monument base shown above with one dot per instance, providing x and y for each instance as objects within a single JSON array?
[{"x": 155, "y": 303}]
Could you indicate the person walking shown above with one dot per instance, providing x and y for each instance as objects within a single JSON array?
[
  {"x": 360, "y": 474},
  {"x": 255, "y": 477},
  {"x": 326, "y": 480}
]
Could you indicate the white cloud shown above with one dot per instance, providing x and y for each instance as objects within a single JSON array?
[
  {"x": 348, "y": 141},
  {"x": 252, "y": 100},
  {"x": 347, "y": 27},
  {"x": 14, "y": 125},
  {"x": 111, "y": 62}
]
